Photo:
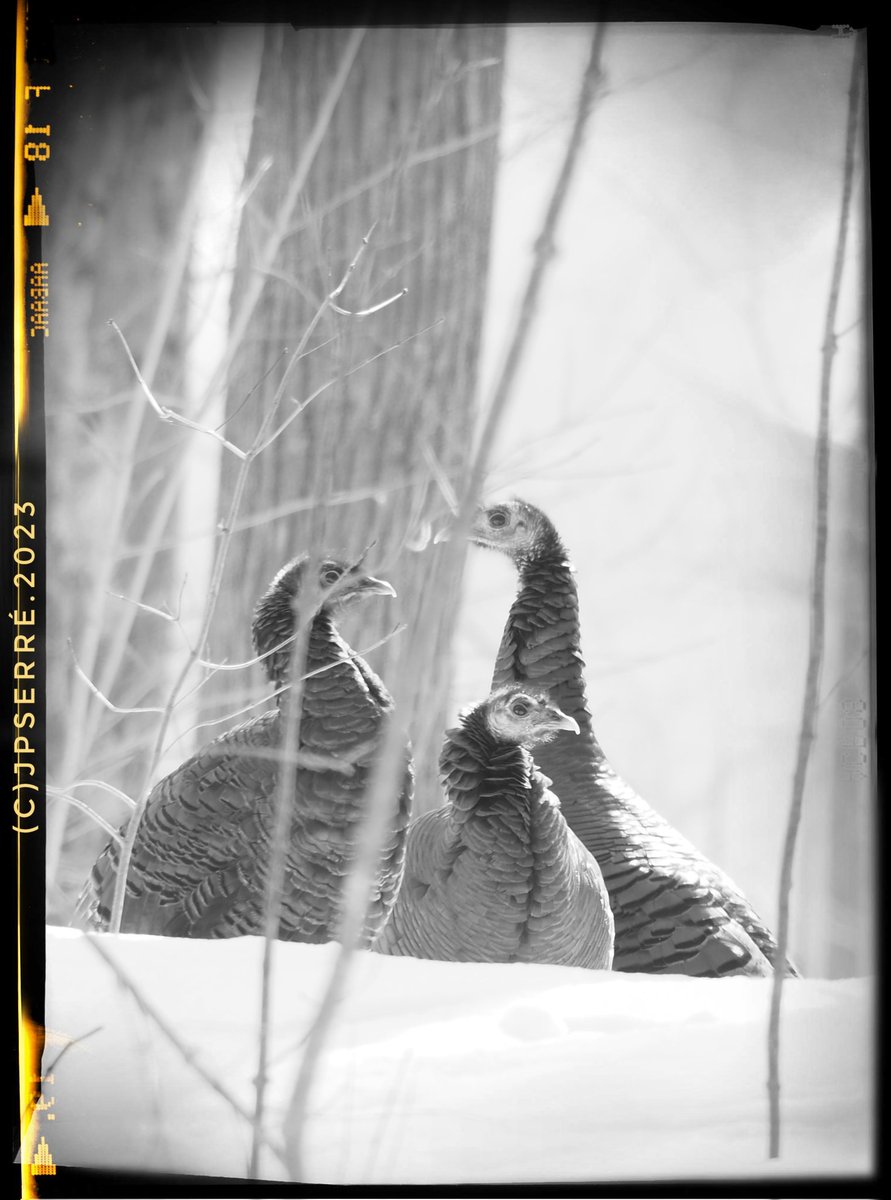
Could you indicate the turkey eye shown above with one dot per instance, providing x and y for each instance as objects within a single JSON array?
[
  {"x": 520, "y": 709},
  {"x": 498, "y": 520},
  {"x": 330, "y": 576}
]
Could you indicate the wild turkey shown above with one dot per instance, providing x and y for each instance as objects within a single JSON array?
[
  {"x": 674, "y": 910},
  {"x": 199, "y": 863},
  {"x": 496, "y": 875}
]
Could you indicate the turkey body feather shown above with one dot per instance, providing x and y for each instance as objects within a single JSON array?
[
  {"x": 496, "y": 875},
  {"x": 199, "y": 865},
  {"x": 674, "y": 910}
]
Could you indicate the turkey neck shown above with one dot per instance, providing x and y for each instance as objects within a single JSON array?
[
  {"x": 541, "y": 646},
  {"x": 324, "y": 645},
  {"x": 480, "y": 775}
]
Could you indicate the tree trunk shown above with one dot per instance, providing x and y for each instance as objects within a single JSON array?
[{"x": 407, "y": 144}]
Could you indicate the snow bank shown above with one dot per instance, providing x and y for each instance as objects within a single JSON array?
[{"x": 445, "y": 1072}]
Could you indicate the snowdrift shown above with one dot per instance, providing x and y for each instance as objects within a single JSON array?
[{"x": 444, "y": 1072}]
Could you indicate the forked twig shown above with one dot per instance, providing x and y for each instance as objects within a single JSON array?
[
  {"x": 101, "y": 697},
  {"x": 164, "y": 613},
  {"x": 167, "y": 414}
]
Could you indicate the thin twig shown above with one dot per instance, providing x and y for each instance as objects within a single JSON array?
[
  {"x": 288, "y": 508},
  {"x": 817, "y": 604},
  {"x": 283, "y": 811},
  {"x": 248, "y": 188},
  {"x": 103, "y": 786},
  {"x": 241, "y": 666},
  {"x": 188, "y": 1054},
  {"x": 72, "y": 1042},
  {"x": 234, "y": 411},
  {"x": 354, "y": 262},
  {"x": 119, "y": 641},
  {"x": 115, "y": 708},
  {"x": 366, "y": 312},
  {"x": 544, "y": 246},
  {"x": 844, "y": 677},
  {"x": 164, "y": 613},
  {"x": 300, "y": 405},
  {"x": 274, "y": 883},
  {"x": 270, "y": 696},
  {"x": 401, "y": 165},
  {"x": 59, "y": 794},
  {"x": 271, "y": 251}
]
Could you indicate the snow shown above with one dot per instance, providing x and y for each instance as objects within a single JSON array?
[{"x": 445, "y": 1072}]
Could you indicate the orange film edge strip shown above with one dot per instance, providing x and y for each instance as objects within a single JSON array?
[
  {"x": 20, "y": 247},
  {"x": 29, "y": 1067}
]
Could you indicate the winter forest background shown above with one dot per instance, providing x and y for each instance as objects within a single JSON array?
[{"x": 211, "y": 188}]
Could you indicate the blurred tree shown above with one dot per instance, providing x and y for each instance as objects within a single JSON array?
[{"x": 126, "y": 121}]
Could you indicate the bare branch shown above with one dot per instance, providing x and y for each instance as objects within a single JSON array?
[
  {"x": 544, "y": 245},
  {"x": 817, "y": 603},
  {"x": 354, "y": 262}
]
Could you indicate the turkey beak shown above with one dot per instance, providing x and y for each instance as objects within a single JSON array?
[
  {"x": 377, "y": 587},
  {"x": 560, "y": 720}
]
